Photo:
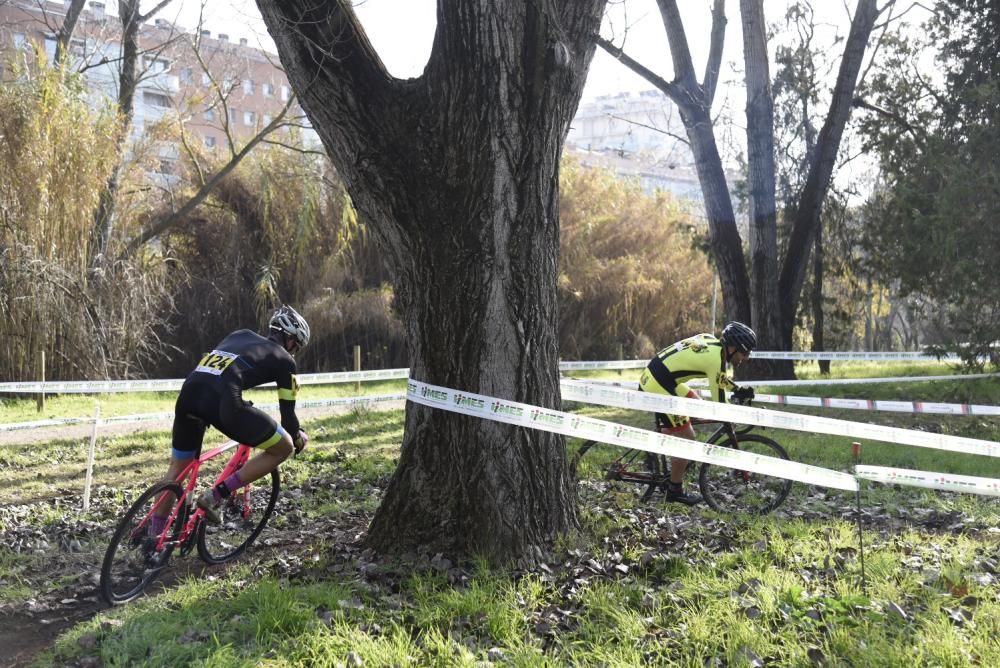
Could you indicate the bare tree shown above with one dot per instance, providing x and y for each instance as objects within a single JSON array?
[
  {"x": 456, "y": 172},
  {"x": 65, "y": 32},
  {"x": 770, "y": 298}
]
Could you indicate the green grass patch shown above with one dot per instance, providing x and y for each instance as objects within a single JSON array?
[{"x": 638, "y": 584}]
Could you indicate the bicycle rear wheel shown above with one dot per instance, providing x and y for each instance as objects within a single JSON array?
[
  {"x": 132, "y": 560},
  {"x": 244, "y": 515},
  {"x": 647, "y": 470},
  {"x": 734, "y": 491}
]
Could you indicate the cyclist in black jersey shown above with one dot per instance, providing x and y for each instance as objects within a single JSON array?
[
  {"x": 700, "y": 356},
  {"x": 212, "y": 394}
]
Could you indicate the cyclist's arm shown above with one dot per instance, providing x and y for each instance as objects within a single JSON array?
[{"x": 288, "y": 389}]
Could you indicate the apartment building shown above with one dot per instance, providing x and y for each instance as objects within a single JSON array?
[{"x": 219, "y": 89}]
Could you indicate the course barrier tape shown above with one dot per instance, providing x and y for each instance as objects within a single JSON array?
[
  {"x": 174, "y": 384},
  {"x": 948, "y": 482},
  {"x": 818, "y": 381},
  {"x": 568, "y": 424},
  {"x": 171, "y": 384},
  {"x": 856, "y": 404},
  {"x": 606, "y": 395},
  {"x": 881, "y": 405},
  {"x": 145, "y": 417}
]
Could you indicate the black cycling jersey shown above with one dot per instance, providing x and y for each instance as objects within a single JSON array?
[{"x": 213, "y": 393}]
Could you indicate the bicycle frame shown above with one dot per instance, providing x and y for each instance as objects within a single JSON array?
[
  {"x": 619, "y": 468},
  {"x": 188, "y": 479}
]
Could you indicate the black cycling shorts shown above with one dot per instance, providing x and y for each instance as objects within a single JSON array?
[{"x": 222, "y": 406}]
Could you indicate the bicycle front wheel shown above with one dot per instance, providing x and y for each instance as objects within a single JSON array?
[
  {"x": 132, "y": 560},
  {"x": 734, "y": 491},
  {"x": 244, "y": 515}
]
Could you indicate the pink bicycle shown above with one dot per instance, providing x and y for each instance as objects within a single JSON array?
[{"x": 137, "y": 555}]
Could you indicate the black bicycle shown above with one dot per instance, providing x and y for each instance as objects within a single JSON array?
[{"x": 724, "y": 489}]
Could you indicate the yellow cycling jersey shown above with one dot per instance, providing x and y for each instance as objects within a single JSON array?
[{"x": 699, "y": 356}]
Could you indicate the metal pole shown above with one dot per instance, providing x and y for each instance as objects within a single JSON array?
[
  {"x": 856, "y": 451},
  {"x": 90, "y": 459}
]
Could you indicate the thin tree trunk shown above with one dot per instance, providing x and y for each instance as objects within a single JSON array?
[
  {"x": 128, "y": 12},
  {"x": 457, "y": 174},
  {"x": 694, "y": 101},
  {"x": 763, "y": 236},
  {"x": 65, "y": 33},
  {"x": 817, "y": 302},
  {"x": 821, "y": 169}
]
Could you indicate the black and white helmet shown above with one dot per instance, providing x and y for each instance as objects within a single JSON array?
[
  {"x": 739, "y": 336},
  {"x": 287, "y": 320}
]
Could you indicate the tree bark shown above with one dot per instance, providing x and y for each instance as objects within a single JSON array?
[
  {"x": 457, "y": 173},
  {"x": 763, "y": 230},
  {"x": 817, "y": 302}
]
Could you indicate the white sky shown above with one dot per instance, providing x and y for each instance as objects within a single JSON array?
[{"x": 402, "y": 30}]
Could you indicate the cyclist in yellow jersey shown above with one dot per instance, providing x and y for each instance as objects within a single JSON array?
[{"x": 700, "y": 356}]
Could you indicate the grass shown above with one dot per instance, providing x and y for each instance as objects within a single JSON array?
[{"x": 637, "y": 585}]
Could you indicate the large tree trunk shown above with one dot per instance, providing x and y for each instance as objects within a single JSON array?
[
  {"x": 763, "y": 236},
  {"x": 457, "y": 174}
]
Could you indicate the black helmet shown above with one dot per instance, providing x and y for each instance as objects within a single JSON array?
[
  {"x": 739, "y": 336},
  {"x": 287, "y": 320}
]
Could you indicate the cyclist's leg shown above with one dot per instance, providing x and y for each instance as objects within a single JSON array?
[
  {"x": 187, "y": 436},
  {"x": 251, "y": 426},
  {"x": 684, "y": 430}
]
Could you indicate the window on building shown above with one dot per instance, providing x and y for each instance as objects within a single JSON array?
[
  {"x": 187, "y": 76},
  {"x": 268, "y": 89},
  {"x": 247, "y": 87},
  {"x": 232, "y": 115},
  {"x": 249, "y": 117},
  {"x": 50, "y": 48},
  {"x": 155, "y": 65},
  {"x": 210, "y": 141},
  {"x": 285, "y": 93},
  {"x": 19, "y": 40},
  {"x": 209, "y": 114},
  {"x": 156, "y": 99},
  {"x": 265, "y": 119},
  {"x": 205, "y": 79}
]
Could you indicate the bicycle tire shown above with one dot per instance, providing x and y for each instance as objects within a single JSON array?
[
  {"x": 731, "y": 490},
  {"x": 129, "y": 563},
  {"x": 219, "y": 543}
]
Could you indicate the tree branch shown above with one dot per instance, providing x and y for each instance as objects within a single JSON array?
[
  {"x": 714, "y": 63},
  {"x": 206, "y": 188},
  {"x": 669, "y": 89}
]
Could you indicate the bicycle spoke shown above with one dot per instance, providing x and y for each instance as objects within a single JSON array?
[
  {"x": 244, "y": 516},
  {"x": 133, "y": 558},
  {"x": 732, "y": 490}
]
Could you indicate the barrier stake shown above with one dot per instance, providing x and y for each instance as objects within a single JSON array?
[
  {"x": 856, "y": 452},
  {"x": 41, "y": 378},
  {"x": 90, "y": 458},
  {"x": 357, "y": 367}
]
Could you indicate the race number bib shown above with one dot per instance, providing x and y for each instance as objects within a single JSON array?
[{"x": 215, "y": 362}]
